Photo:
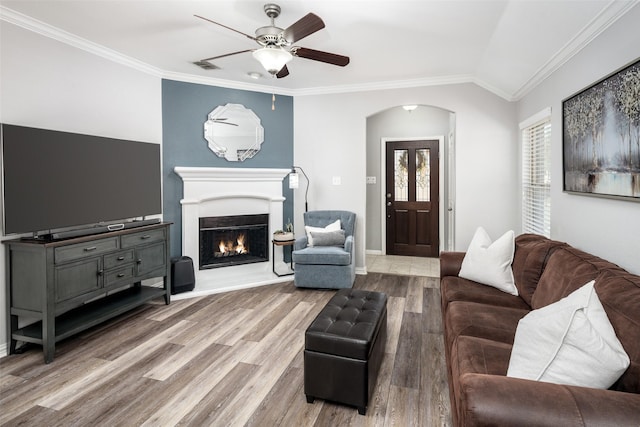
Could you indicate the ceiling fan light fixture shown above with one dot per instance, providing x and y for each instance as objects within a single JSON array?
[{"x": 272, "y": 58}]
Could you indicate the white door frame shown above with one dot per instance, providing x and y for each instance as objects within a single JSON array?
[{"x": 446, "y": 236}]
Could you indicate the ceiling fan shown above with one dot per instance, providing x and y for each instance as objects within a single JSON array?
[{"x": 276, "y": 50}]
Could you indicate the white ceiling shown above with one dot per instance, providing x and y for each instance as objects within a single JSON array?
[{"x": 506, "y": 46}]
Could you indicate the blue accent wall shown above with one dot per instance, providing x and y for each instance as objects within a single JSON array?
[{"x": 185, "y": 107}]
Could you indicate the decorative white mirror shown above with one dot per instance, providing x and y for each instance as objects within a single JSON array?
[{"x": 233, "y": 132}]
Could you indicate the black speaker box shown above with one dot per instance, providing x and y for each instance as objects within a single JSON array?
[{"x": 182, "y": 275}]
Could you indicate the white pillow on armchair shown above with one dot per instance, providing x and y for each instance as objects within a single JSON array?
[{"x": 334, "y": 226}]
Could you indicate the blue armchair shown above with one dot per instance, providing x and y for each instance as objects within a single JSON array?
[{"x": 326, "y": 265}]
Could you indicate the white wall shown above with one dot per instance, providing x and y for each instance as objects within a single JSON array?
[
  {"x": 330, "y": 140},
  {"x": 48, "y": 84},
  {"x": 604, "y": 227}
]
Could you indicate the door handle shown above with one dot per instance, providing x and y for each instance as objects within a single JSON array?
[{"x": 388, "y": 203}]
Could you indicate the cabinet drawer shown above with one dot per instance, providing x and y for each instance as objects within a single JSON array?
[
  {"x": 82, "y": 250},
  {"x": 149, "y": 236},
  {"x": 120, "y": 275},
  {"x": 117, "y": 259}
]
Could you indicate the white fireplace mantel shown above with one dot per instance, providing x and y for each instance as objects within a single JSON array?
[
  {"x": 231, "y": 174},
  {"x": 223, "y": 192}
]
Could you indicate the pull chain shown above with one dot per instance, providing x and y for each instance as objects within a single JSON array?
[{"x": 273, "y": 94}]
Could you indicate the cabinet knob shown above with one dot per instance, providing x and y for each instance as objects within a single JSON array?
[
  {"x": 145, "y": 237},
  {"x": 89, "y": 249},
  {"x": 120, "y": 274},
  {"x": 139, "y": 261},
  {"x": 120, "y": 258},
  {"x": 100, "y": 272}
]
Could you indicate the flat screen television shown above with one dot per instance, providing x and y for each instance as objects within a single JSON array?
[{"x": 56, "y": 181}]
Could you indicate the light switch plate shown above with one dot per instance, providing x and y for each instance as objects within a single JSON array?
[
  {"x": 371, "y": 180},
  {"x": 337, "y": 180}
]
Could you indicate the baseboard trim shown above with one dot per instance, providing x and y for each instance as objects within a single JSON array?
[
  {"x": 4, "y": 350},
  {"x": 236, "y": 287},
  {"x": 373, "y": 252}
]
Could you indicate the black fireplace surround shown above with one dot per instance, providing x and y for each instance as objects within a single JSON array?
[{"x": 233, "y": 240}]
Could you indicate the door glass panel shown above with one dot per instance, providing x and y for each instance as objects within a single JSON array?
[
  {"x": 423, "y": 175},
  {"x": 401, "y": 175}
]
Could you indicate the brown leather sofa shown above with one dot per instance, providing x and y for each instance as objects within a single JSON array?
[{"x": 479, "y": 328}]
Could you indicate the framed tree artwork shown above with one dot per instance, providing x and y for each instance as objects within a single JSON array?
[{"x": 601, "y": 137}]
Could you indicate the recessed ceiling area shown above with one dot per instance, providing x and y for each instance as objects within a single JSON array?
[{"x": 505, "y": 46}]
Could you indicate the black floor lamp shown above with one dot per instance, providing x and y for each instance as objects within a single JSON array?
[{"x": 294, "y": 183}]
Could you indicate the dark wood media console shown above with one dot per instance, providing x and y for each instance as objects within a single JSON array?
[{"x": 73, "y": 284}]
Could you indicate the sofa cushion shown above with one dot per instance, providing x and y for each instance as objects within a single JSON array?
[
  {"x": 569, "y": 342},
  {"x": 489, "y": 262},
  {"x": 482, "y": 321},
  {"x": 529, "y": 260},
  {"x": 619, "y": 292},
  {"x": 472, "y": 355},
  {"x": 475, "y": 355},
  {"x": 458, "y": 289},
  {"x": 568, "y": 269},
  {"x": 322, "y": 255}
]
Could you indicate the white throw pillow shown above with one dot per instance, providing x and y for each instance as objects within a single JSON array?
[
  {"x": 490, "y": 263},
  {"x": 334, "y": 226},
  {"x": 569, "y": 342}
]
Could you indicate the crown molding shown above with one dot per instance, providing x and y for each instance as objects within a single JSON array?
[
  {"x": 493, "y": 89},
  {"x": 611, "y": 13},
  {"x": 383, "y": 85},
  {"x": 55, "y": 33},
  {"x": 607, "y": 16},
  {"x": 229, "y": 84},
  {"x": 49, "y": 31}
]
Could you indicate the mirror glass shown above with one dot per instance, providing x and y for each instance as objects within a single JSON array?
[{"x": 233, "y": 132}]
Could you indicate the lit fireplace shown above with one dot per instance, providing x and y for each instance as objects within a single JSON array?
[
  {"x": 232, "y": 247},
  {"x": 233, "y": 240}
]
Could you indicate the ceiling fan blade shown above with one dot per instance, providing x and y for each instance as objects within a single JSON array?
[
  {"x": 224, "y": 26},
  {"x": 227, "y": 54},
  {"x": 318, "y": 55},
  {"x": 284, "y": 72},
  {"x": 305, "y": 26}
]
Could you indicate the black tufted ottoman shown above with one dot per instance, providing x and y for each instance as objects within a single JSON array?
[{"x": 344, "y": 347}]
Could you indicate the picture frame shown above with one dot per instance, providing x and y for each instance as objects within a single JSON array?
[{"x": 601, "y": 137}]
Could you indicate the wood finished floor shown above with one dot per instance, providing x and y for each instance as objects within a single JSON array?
[{"x": 229, "y": 359}]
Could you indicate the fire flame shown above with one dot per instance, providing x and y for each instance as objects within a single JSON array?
[
  {"x": 240, "y": 246},
  {"x": 229, "y": 246}
]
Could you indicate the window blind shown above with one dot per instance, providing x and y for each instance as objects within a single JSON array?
[{"x": 536, "y": 177}]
